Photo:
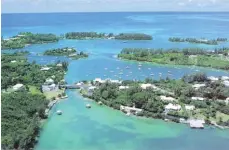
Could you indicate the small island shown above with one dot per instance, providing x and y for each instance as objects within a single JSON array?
[
  {"x": 27, "y": 38},
  {"x": 218, "y": 58},
  {"x": 198, "y": 41},
  {"x": 95, "y": 35},
  {"x": 66, "y": 51},
  {"x": 28, "y": 92},
  {"x": 193, "y": 99}
]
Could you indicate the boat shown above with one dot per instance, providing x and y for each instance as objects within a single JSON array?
[
  {"x": 59, "y": 112},
  {"x": 127, "y": 67},
  {"x": 88, "y": 106},
  {"x": 100, "y": 103}
]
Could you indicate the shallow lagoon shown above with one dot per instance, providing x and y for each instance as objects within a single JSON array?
[{"x": 101, "y": 127}]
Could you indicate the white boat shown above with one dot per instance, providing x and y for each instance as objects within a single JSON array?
[{"x": 59, "y": 112}]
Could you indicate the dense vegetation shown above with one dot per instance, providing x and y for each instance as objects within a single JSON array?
[
  {"x": 211, "y": 109},
  {"x": 25, "y": 38},
  {"x": 95, "y": 35},
  {"x": 133, "y": 36},
  {"x": 70, "y": 52},
  {"x": 195, "y": 40},
  {"x": 26, "y": 73},
  {"x": 218, "y": 58},
  {"x": 21, "y": 112},
  {"x": 87, "y": 35},
  {"x": 60, "y": 51}
]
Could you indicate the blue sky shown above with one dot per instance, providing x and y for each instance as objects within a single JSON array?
[{"x": 24, "y": 6}]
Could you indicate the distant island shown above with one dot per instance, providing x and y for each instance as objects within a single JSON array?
[
  {"x": 28, "y": 92},
  {"x": 194, "y": 98},
  {"x": 27, "y": 38},
  {"x": 96, "y": 35},
  {"x": 66, "y": 51},
  {"x": 218, "y": 58},
  {"x": 198, "y": 41}
]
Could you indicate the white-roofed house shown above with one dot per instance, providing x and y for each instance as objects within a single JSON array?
[
  {"x": 18, "y": 87},
  {"x": 59, "y": 65},
  {"x": 197, "y": 86},
  {"x": 13, "y": 61},
  {"x": 45, "y": 68},
  {"x": 189, "y": 107},
  {"x": 164, "y": 98},
  {"x": 147, "y": 85},
  {"x": 226, "y": 83},
  {"x": 198, "y": 98},
  {"x": 49, "y": 81},
  {"x": 224, "y": 78},
  {"x": 98, "y": 80},
  {"x": 212, "y": 78},
  {"x": 123, "y": 87},
  {"x": 171, "y": 106}
]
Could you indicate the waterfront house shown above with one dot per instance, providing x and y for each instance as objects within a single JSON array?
[
  {"x": 91, "y": 88},
  {"x": 171, "y": 106},
  {"x": 196, "y": 124},
  {"x": 226, "y": 83},
  {"x": 98, "y": 80},
  {"x": 164, "y": 98},
  {"x": 213, "y": 79},
  {"x": 49, "y": 87},
  {"x": 224, "y": 78},
  {"x": 72, "y": 55},
  {"x": 18, "y": 87},
  {"x": 189, "y": 107},
  {"x": 198, "y": 98},
  {"x": 123, "y": 87},
  {"x": 59, "y": 65},
  {"x": 114, "y": 81},
  {"x": 130, "y": 110}
]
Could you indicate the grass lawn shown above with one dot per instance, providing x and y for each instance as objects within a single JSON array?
[
  {"x": 51, "y": 94},
  {"x": 34, "y": 90}
]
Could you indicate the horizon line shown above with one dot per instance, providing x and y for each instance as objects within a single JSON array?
[{"x": 116, "y": 12}]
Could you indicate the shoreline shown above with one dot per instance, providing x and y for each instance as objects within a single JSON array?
[
  {"x": 145, "y": 117},
  {"x": 173, "y": 65}
]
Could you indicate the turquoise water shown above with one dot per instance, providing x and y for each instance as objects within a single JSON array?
[{"x": 101, "y": 128}]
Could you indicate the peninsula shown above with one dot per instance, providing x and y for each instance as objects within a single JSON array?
[
  {"x": 198, "y": 41},
  {"x": 194, "y": 97},
  {"x": 95, "y": 35},
  {"x": 27, "y": 38},
  {"x": 28, "y": 92},
  {"x": 66, "y": 51},
  {"x": 218, "y": 58}
]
